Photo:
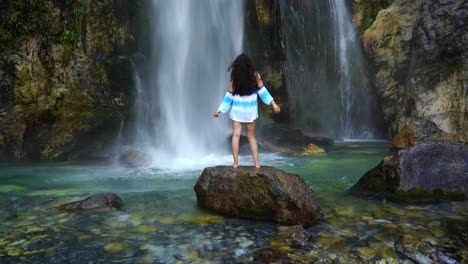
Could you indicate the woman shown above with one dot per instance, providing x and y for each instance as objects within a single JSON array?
[{"x": 241, "y": 101}]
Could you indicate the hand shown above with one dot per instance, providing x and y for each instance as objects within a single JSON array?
[
  {"x": 216, "y": 114},
  {"x": 257, "y": 75},
  {"x": 259, "y": 79},
  {"x": 276, "y": 108}
]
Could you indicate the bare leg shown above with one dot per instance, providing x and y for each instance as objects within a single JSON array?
[
  {"x": 253, "y": 142},
  {"x": 236, "y": 133}
]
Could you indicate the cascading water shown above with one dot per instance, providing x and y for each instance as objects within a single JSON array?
[
  {"x": 193, "y": 42},
  {"x": 346, "y": 43},
  {"x": 327, "y": 83}
]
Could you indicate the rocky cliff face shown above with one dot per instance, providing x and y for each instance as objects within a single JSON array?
[
  {"x": 419, "y": 53},
  {"x": 263, "y": 44},
  {"x": 63, "y": 84}
]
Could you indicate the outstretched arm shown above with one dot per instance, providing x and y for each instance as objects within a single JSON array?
[
  {"x": 276, "y": 108},
  {"x": 265, "y": 95},
  {"x": 226, "y": 104}
]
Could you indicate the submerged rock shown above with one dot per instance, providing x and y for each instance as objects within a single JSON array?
[
  {"x": 265, "y": 194},
  {"x": 294, "y": 236},
  {"x": 268, "y": 255},
  {"x": 457, "y": 229},
  {"x": 133, "y": 158},
  {"x": 428, "y": 171},
  {"x": 115, "y": 247},
  {"x": 288, "y": 140},
  {"x": 94, "y": 202}
]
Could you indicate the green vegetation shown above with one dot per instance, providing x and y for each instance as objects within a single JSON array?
[
  {"x": 369, "y": 10},
  {"x": 70, "y": 35},
  {"x": 77, "y": 13},
  {"x": 26, "y": 18},
  {"x": 5, "y": 35},
  {"x": 23, "y": 17},
  {"x": 69, "y": 39}
]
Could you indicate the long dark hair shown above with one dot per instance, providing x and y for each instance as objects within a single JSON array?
[{"x": 243, "y": 75}]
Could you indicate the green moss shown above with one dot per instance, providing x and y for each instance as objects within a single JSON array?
[
  {"x": 24, "y": 18},
  {"x": 77, "y": 13},
  {"x": 412, "y": 194},
  {"x": 459, "y": 196},
  {"x": 369, "y": 10},
  {"x": 256, "y": 213},
  {"x": 263, "y": 12},
  {"x": 5, "y": 34},
  {"x": 69, "y": 38},
  {"x": 416, "y": 194}
]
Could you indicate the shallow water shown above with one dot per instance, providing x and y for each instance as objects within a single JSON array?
[{"x": 161, "y": 223}]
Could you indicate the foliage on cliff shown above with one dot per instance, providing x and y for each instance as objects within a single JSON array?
[
  {"x": 62, "y": 80},
  {"x": 366, "y": 11}
]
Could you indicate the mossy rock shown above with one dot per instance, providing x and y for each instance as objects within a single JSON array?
[
  {"x": 312, "y": 149},
  {"x": 429, "y": 171},
  {"x": 262, "y": 194},
  {"x": 63, "y": 77},
  {"x": 366, "y": 11}
]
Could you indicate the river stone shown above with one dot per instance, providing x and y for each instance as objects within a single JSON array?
[
  {"x": 457, "y": 229},
  {"x": 269, "y": 254},
  {"x": 93, "y": 202},
  {"x": 294, "y": 236},
  {"x": 428, "y": 171},
  {"x": 264, "y": 194}
]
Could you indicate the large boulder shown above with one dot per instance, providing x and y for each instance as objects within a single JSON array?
[
  {"x": 265, "y": 194},
  {"x": 94, "y": 202},
  {"x": 428, "y": 171},
  {"x": 418, "y": 131}
]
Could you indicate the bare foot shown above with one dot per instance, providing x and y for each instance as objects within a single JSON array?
[
  {"x": 235, "y": 166},
  {"x": 257, "y": 166}
]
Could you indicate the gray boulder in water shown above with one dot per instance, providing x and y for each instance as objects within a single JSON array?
[
  {"x": 94, "y": 202},
  {"x": 264, "y": 194},
  {"x": 134, "y": 158},
  {"x": 428, "y": 171}
]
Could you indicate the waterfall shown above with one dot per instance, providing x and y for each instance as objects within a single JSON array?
[
  {"x": 328, "y": 88},
  {"x": 193, "y": 43},
  {"x": 346, "y": 42}
]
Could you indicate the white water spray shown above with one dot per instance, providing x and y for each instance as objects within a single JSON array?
[
  {"x": 346, "y": 41},
  {"x": 193, "y": 43}
]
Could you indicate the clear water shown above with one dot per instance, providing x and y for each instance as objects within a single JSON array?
[{"x": 161, "y": 223}]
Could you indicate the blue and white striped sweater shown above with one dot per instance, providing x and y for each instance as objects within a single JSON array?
[{"x": 244, "y": 109}]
